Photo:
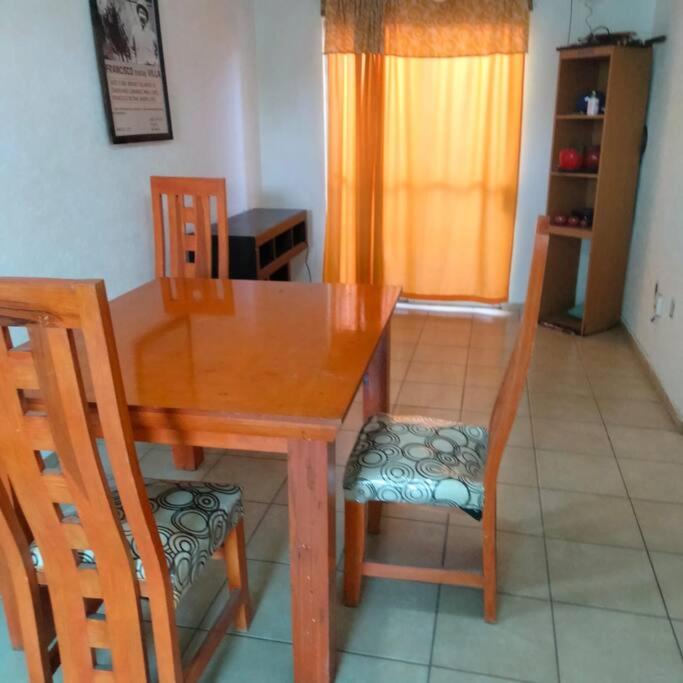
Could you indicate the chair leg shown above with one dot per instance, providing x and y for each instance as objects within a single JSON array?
[
  {"x": 29, "y": 626},
  {"x": 355, "y": 523},
  {"x": 236, "y": 567},
  {"x": 10, "y": 607},
  {"x": 489, "y": 565},
  {"x": 374, "y": 516}
]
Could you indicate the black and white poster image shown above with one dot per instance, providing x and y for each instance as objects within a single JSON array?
[{"x": 131, "y": 62}]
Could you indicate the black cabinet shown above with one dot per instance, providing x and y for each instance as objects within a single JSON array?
[{"x": 262, "y": 243}]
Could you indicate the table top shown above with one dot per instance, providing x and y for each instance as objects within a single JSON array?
[{"x": 248, "y": 348}]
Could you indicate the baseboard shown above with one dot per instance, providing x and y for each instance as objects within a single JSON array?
[{"x": 654, "y": 378}]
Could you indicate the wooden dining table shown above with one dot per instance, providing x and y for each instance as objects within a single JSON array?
[{"x": 262, "y": 366}]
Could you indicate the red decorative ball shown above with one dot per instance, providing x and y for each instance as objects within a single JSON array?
[
  {"x": 570, "y": 159},
  {"x": 573, "y": 221},
  {"x": 560, "y": 219},
  {"x": 592, "y": 158}
]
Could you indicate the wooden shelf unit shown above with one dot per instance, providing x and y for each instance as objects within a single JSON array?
[
  {"x": 623, "y": 74},
  {"x": 263, "y": 243}
]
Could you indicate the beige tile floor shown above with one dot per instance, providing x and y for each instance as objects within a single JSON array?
[{"x": 590, "y": 529}]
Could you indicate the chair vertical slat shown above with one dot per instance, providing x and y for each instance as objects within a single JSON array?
[
  {"x": 202, "y": 251},
  {"x": 159, "y": 241},
  {"x": 176, "y": 230},
  {"x": 222, "y": 234}
]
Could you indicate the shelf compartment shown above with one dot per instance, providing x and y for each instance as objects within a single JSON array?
[
  {"x": 266, "y": 253},
  {"x": 579, "y": 135},
  {"x": 299, "y": 233},
  {"x": 266, "y": 272},
  {"x": 570, "y": 193},
  {"x": 281, "y": 274},
  {"x": 283, "y": 243},
  {"x": 581, "y": 76},
  {"x": 569, "y": 231}
]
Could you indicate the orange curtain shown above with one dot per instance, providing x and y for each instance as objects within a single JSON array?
[{"x": 423, "y": 157}]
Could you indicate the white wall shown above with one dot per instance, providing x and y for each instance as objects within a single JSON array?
[
  {"x": 73, "y": 205},
  {"x": 550, "y": 28},
  {"x": 291, "y": 106},
  {"x": 657, "y": 248}
]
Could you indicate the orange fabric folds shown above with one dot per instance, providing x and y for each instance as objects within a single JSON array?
[{"x": 423, "y": 157}]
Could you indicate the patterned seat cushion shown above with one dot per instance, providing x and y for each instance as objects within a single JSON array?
[
  {"x": 418, "y": 460},
  {"x": 193, "y": 520}
]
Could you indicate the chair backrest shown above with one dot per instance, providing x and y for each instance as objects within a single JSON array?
[
  {"x": 510, "y": 393},
  {"x": 183, "y": 252},
  {"x": 55, "y": 392}
]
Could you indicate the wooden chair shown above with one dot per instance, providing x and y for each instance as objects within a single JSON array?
[
  {"x": 99, "y": 545},
  {"x": 189, "y": 253},
  {"x": 435, "y": 462}
]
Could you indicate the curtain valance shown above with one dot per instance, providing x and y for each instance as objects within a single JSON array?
[{"x": 426, "y": 28}]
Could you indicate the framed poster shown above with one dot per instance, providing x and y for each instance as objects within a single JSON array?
[{"x": 131, "y": 63}]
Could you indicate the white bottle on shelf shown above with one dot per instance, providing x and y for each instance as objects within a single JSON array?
[{"x": 593, "y": 104}]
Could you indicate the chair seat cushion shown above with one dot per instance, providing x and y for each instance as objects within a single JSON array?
[
  {"x": 193, "y": 520},
  {"x": 418, "y": 460}
]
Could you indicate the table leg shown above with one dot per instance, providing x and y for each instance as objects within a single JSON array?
[
  {"x": 187, "y": 457},
  {"x": 376, "y": 400},
  {"x": 310, "y": 468}
]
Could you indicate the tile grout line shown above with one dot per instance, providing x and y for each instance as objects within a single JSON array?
[
  {"x": 437, "y": 609},
  {"x": 635, "y": 515},
  {"x": 545, "y": 543},
  {"x": 601, "y": 608},
  {"x": 380, "y": 658},
  {"x": 493, "y": 677},
  {"x": 443, "y": 550},
  {"x": 405, "y": 374},
  {"x": 438, "y": 599},
  {"x": 467, "y": 370}
]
